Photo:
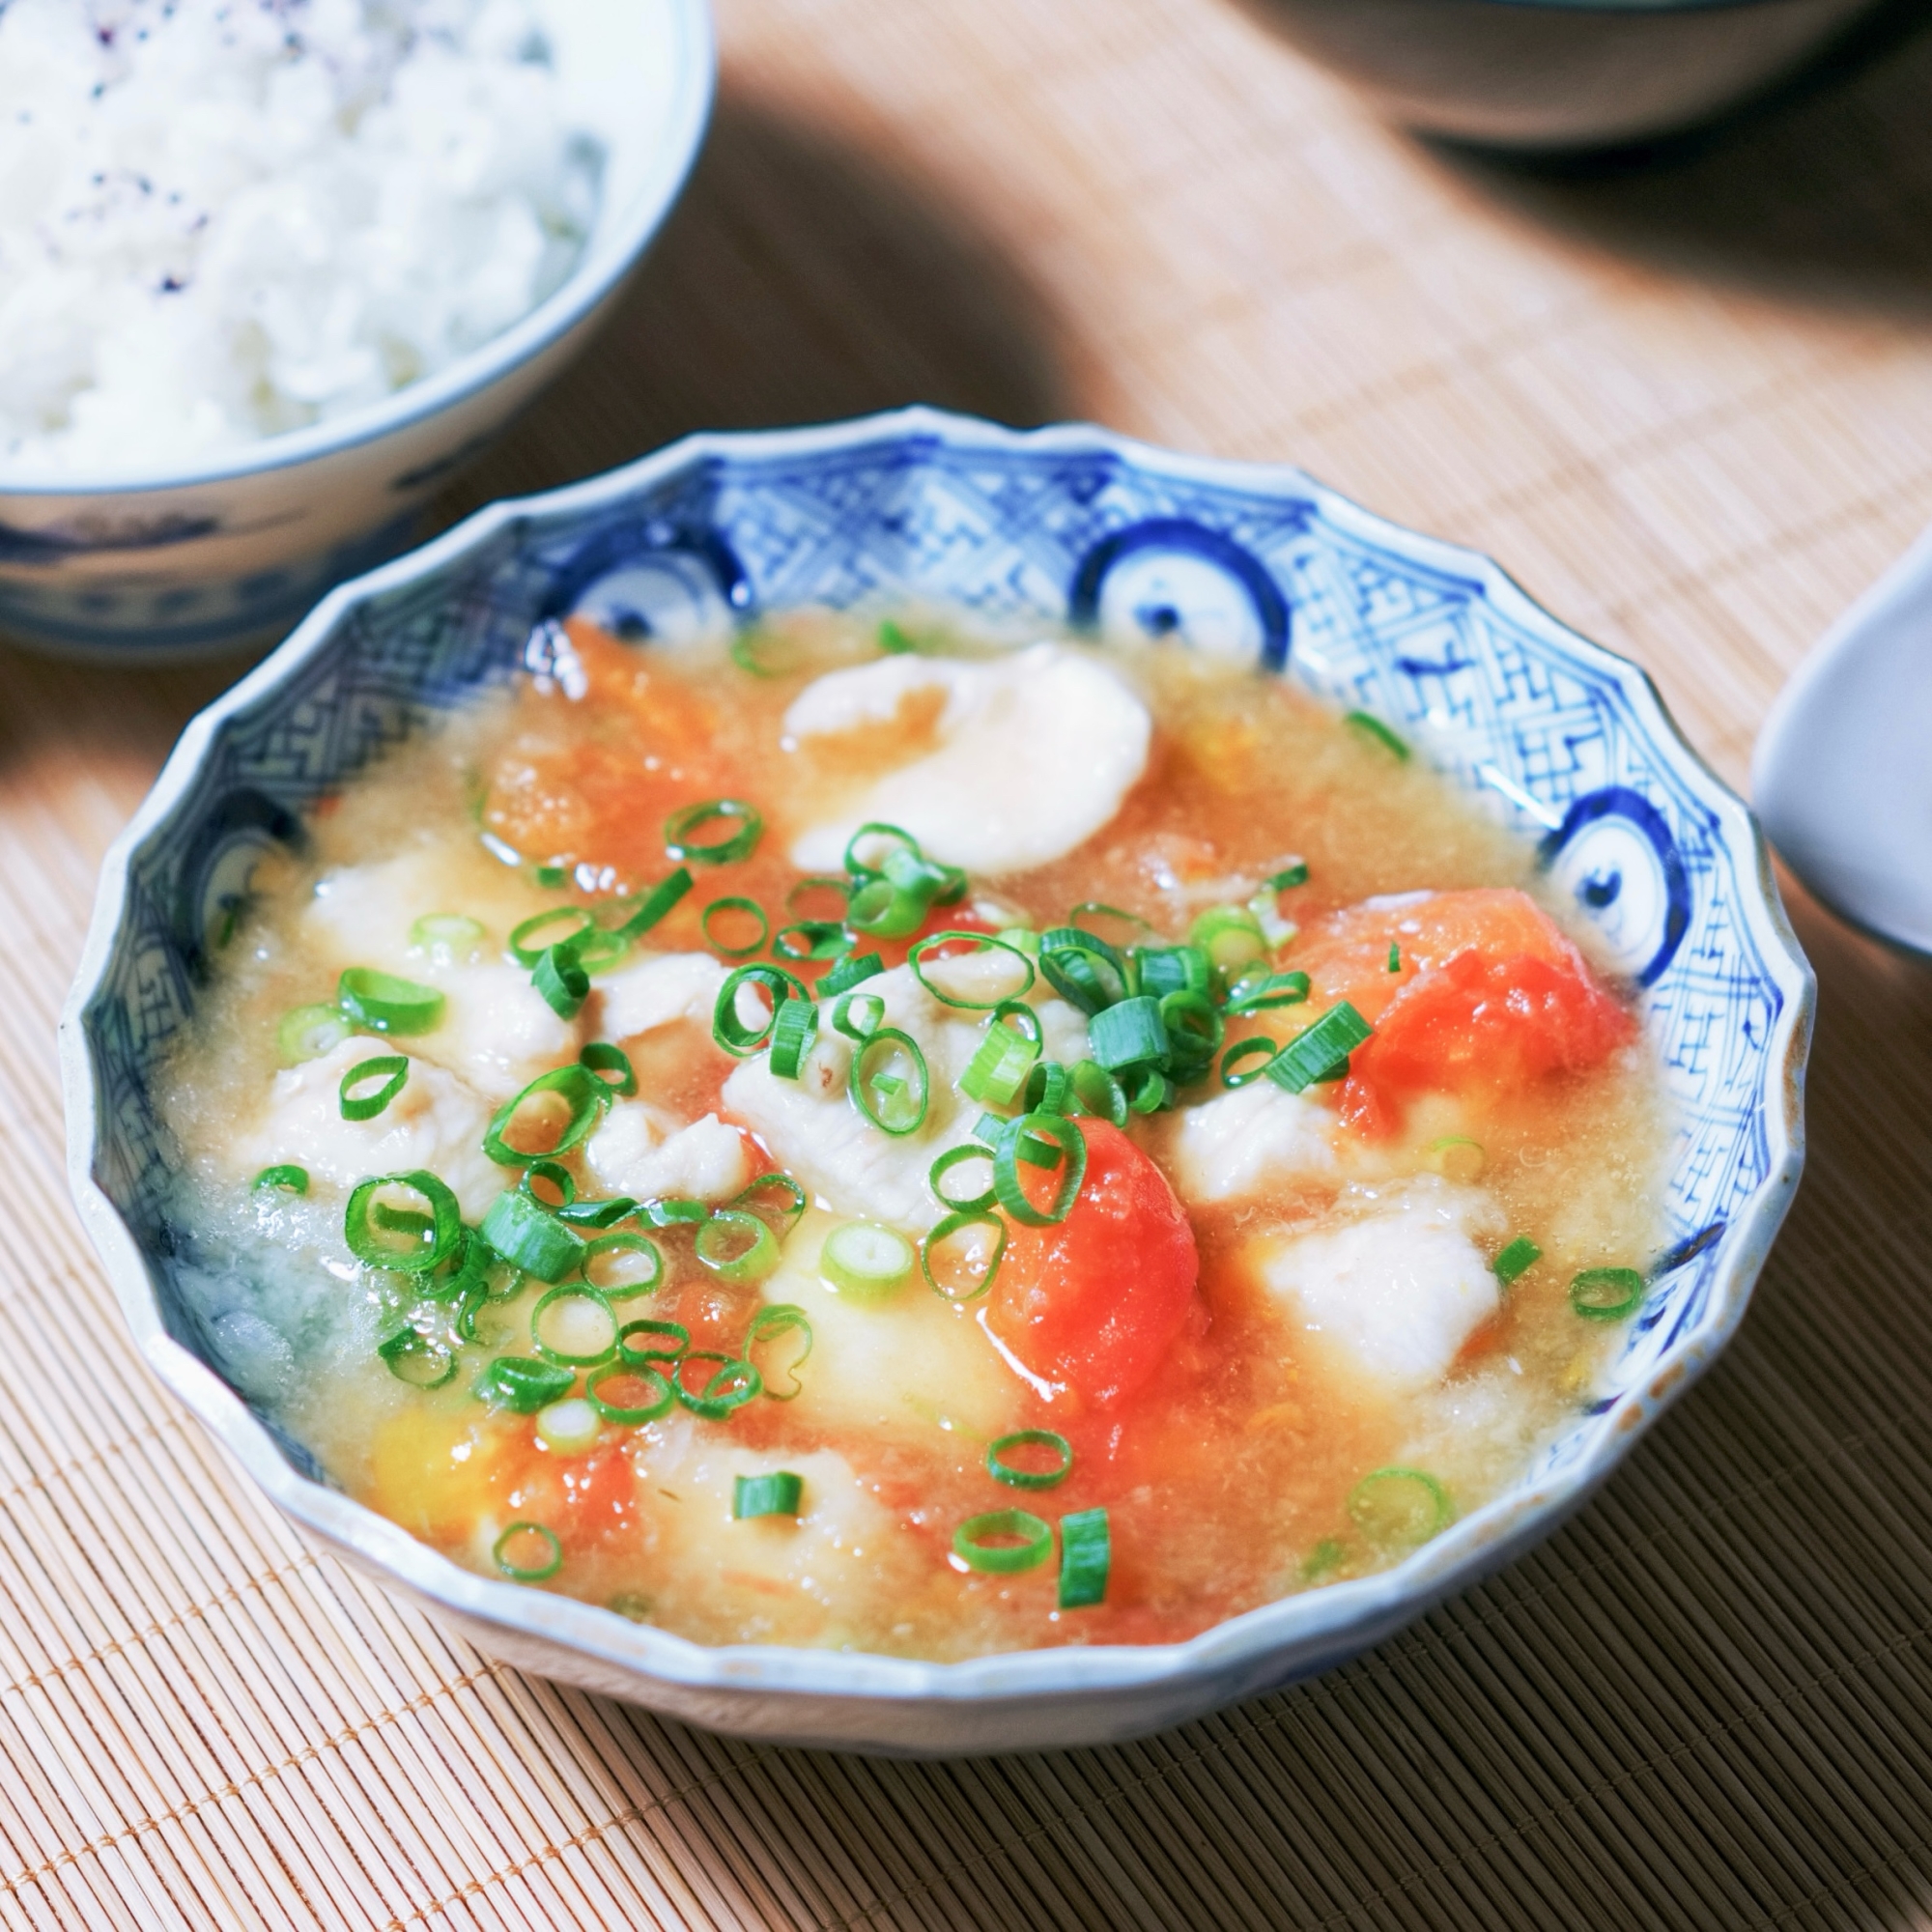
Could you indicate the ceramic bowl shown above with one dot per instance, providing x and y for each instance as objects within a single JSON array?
[
  {"x": 1549, "y": 732},
  {"x": 233, "y": 549},
  {"x": 1555, "y": 75}
]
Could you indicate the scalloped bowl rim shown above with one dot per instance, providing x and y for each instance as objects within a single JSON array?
[
  {"x": 605, "y": 263},
  {"x": 1318, "y": 1622}
]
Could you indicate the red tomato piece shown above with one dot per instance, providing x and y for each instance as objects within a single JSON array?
[{"x": 1094, "y": 1304}]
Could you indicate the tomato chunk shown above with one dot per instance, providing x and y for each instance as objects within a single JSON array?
[
  {"x": 1094, "y": 1305},
  {"x": 1487, "y": 995}
]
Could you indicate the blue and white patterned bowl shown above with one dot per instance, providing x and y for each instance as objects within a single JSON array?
[
  {"x": 232, "y": 549},
  {"x": 1552, "y": 733}
]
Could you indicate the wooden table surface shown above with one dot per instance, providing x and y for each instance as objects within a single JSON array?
[{"x": 1688, "y": 406}]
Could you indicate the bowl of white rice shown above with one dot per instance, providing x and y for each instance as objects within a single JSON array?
[{"x": 271, "y": 270}]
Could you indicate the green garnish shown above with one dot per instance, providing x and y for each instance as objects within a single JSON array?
[
  {"x": 418, "y": 1359},
  {"x": 560, "y": 925},
  {"x": 783, "y": 1219},
  {"x": 781, "y": 1317},
  {"x": 658, "y": 901},
  {"x": 1521, "y": 1255},
  {"x": 1023, "y": 1541},
  {"x": 1002, "y": 1471},
  {"x": 390, "y": 1069},
  {"x": 737, "y": 1247},
  {"x": 1400, "y": 1509},
  {"x": 1320, "y": 1052},
  {"x": 1373, "y": 727},
  {"x": 538, "y": 1568},
  {"x": 1231, "y": 936},
  {"x": 1130, "y": 1032},
  {"x": 1085, "y": 1553},
  {"x": 1005, "y": 1057},
  {"x": 1606, "y": 1295},
  {"x": 889, "y": 1083},
  {"x": 600, "y": 1057},
  {"x": 728, "y": 1027},
  {"x": 958, "y": 1156},
  {"x": 981, "y": 941},
  {"x": 584, "y": 1092},
  {"x": 657, "y": 1392},
  {"x": 1395, "y": 956},
  {"x": 1293, "y": 874},
  {"x": 943, "y": 1231},
  {"x": 776, "y": 1494},
  {"x": 675, "y": 1332},
  {"x": 385, "y": 1004},
  {"x": 310, "y": 1031},
  {"x": 739, "y": 844},
  {"x": 523, "y": 1385},
  {"x": 1007, "y": 1182},
  {"x": 530, "y": 1236},
  {"x": 287, "y": 1178},
  {"x": 735, "y": 1383},
  {"x": 624, "y": 1242},
  {"x": 850, "y": 971},
  {"x": 734, "y": 908},
  {"x": 1255, "y": 993},
  {"x": 576, "y": 1327},
  {"x": 1082, "y": 968},
  {"x": 561, "y": 979},
  {"x": 867, "y": 1261},
  {"x": 793, "y": 1032}
]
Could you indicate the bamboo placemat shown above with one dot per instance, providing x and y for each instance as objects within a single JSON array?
[{"x": 1684, "y": 406}]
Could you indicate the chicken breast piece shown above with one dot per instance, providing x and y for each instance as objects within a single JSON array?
[
  {"x": 1396, "y": 1291},
  {"x": 1028, "y": 755},
  {"x": 1242, "y": 1142},
  {"x": 641, "y": 1152},
  {"x": 435, "y": 1121},
  {"x": 657, "y": 991}
]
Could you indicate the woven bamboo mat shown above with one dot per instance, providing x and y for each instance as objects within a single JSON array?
[{"x": 1686, "y": 405}]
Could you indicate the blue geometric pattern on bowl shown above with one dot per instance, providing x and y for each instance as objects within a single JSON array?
[{"x": 1554, "y": 733}]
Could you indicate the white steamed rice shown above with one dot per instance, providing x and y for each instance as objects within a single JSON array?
[{"x": 225, "y": 219}]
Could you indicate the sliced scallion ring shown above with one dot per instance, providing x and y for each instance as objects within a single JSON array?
[
  {"x": 358, "y": 1098},
  {"x": 793, "y": 1031},
  {"x": 1258, "y": 1048},
  {"x": 527, "y": 1553},
  {"x": 882, "y": 910},
  {"x": 781, "y": 1317},
  {"x": 853, "y": 970},
  {"x": 1293, "y": 874},
  {"x": 777, "y": 1494},
  {"x": 1256, "y": 991},
  {"x": 447, "y": 933},
  {"x": 1130, "y": 1032},
  {"x": 576, "y": 1327},
  {"x": 426, "y": 1241},
  {"x": 1400, "y": 1509},
  {"x": 858, "y": 1015},
  {"x": 653, "y": 906},
  {"x": 1049, "y": 1089},
  {"x": 418, "y": 1359},
  {"x": 1095, "y": 917},
  {"x": 601, "y": 1059},
  {"x": 558, "y": 927},
  {"x": 1085, "y": 1553},
  {"x": 1161, "y": 969},
  {"x": 872, "y": 844},
  {"x": 623, "y": 1266},
  {"x": 575, "y": 1089},
  {"x": 735, "y": 1383},
  {"x": 288, "y": 1178},
  {"x": 866, "y": 1261},
  {"x": 1015, "y": 1477},
  {"x": 1002, "y": 1542},
  {"x": 1095, "y": 1090},
  {"x": 1083, "y": 968},
  {"x": 1231, "y": 936},
  {"x": 836, "y": 889},
  {"x": 680, "y": 826},
  {"x": 1321, "y": 1052},
  {"x": 523, "y": 1385},
  {"x": 739, "y": 943},
  {"x": 1372, "y": 728},
  {"x": 774, "y": 1198},
  {"x": 1007, "y": 1154},
  {"x": 310, "y": 1031},
  {"x": 1606, "y": 1295},
  {"x": 945, "y": 1229},
  {"x": 531, "y": 1237},
  {"x": 649, "y": 1388},
  {"x": 739, "y": 1037},
  {"x": 562, "y": 981},
  {"x": 959, "y": 1156},
  {"x": 737, "y": 1247},
  {"x": 932, "y": 974},
  {"x": 813, "y": 939},
  {"x": 1517, "y": 1259},
  {"x": 889, "y": 1083},
  {"x": 633, "y": 1335},
  {"x": 386, "y": 1004},
  {"x": 551, "y": 1174},
  {"x": 1195, "y": 1032}
]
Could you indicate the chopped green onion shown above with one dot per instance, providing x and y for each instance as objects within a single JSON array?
[
  {"x": 850, "y": 971},
  {"x": 1606, "y": 1295},
  {"x": 527, "y": 1553},
  {"x": 838, "y": 889},
  {"x": 561, "y": 979},
  {"x": 1002, "y": 1471},
  {"x": 675, "y": 1332},
  {"x": 1327, "y": 1555},
  {"x": 813, "y": 939},
  {"x": 981, "y": 943},
  {"x": 858, "y": 1015},
  {"x": 752, "y": 641},
  {"x": 310, "y": 1031},
  {"x": 739, "y": 844},
  {"x": 781, "y": 1318},
  {"x": 1005, "y": 1057},
  {"x": 1231, "y": 936},
  {"x": 675, "y": 1214},
  {"x": 1085, "y": 1553},
  {"x": 598, "y": 1213},
  {"x": 522, "y": 1385},
  {"x": 284, "y": 1180},
  {"x": 958, "y": 1156},
  {"x": 737, "y": 1247},
  {"x": 736, "y": 907},
  {"x": 1374, "y": 729},
  {"x": 444, "y": 932},
  {"x": 1521, "y": 1255},
  {"x": 1082, "y": 968},
  {"x": 552, "y": 1173},
  {"x": 735, "y": 1383},
  {"x": 867, "y": 1261},
  {"x": 1255, "y": 992},
  {"x": 1049, "y": 1089},
  {"x": 552, "y": 877},
  {"x": 882, "y": 910},
  {"x": 574, "y": 1327},
  {"x": 942, "y": 1231},
  {"x": 894, "y": 839},
  {"x": 889, "y": 1083},
  {"x": 728, "y": 1027},
  {"x": 793, "y": 1032},
  {"x": 654, "y": 903},
  {"x": 1258, "y": 1048},
  {"x": 1161, "y": 969},
  {"x": 1400, "y": 1509},
  {"x": 385, "y": 1004},
  {"x": 570, "y": 1427},
  {"x": 1320, "y": 1052},
  {"x": 430, "y": 1239},
  {"x": 418, "y": 1359},
  {"x": 528, "y": 1237},
  {"x": 1095, "y": 1090},
  {"x": 1129, "y": 1033},
  {"x": 1089, "y": 910},
  {"x": 598, "y": 949},
  {"x": 580, "y": 1090},
  {"x": 600, "y": 1057},
  {"x": 1195, "y": 1032},
  {"x": 657, "y": 1397},
  {"x": 1024, "y": 1542},
  {"x": 391, "y": 1069},
  {"x": 1148, "y": 1090},
  {"x": 1456, "y": 1157},
  {"x": 1023, "y": 937},
  {"x": 1293, "y": 874},
  {"x": 893, "y": 640},
  {"x": 570, "y": 923},
  {"x": 647, "y": 1272},
  {"x": 1395, "y": 957},
  {"x": 776, "y": 1494},
  {"x": 1006, "y": 1173},
  {"x": 782, "y": 1220}
]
